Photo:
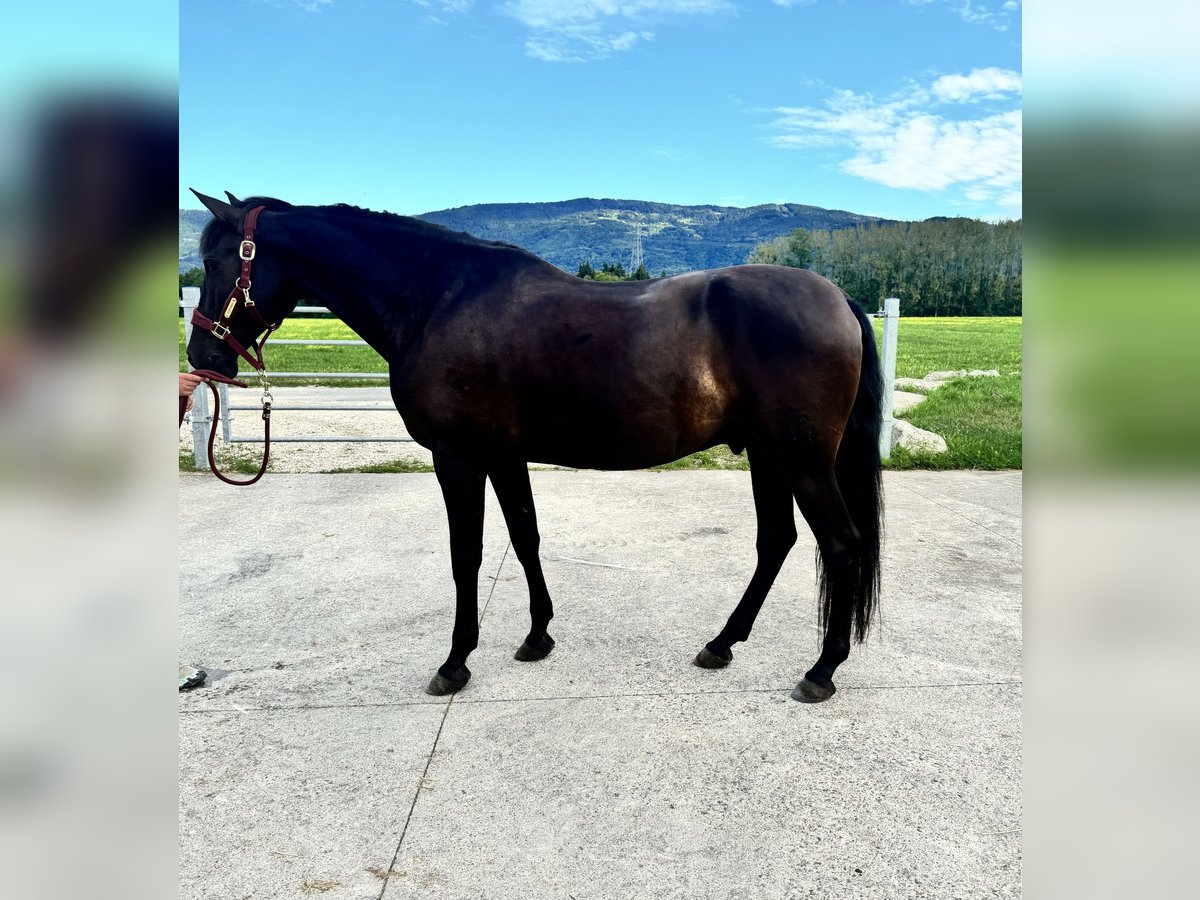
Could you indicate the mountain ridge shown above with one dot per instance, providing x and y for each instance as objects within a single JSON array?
[{"x": 675, "y": 237}]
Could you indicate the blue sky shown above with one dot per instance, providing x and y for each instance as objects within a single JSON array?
[{"x": 900, "y": 108}]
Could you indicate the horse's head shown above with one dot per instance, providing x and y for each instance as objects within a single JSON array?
[{"x": 273, "y": 296}]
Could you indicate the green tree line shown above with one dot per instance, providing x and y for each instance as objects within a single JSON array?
[
  {"x": 939, "y": 267},
  {"x": 612, "y": 271},
  {"x": 193, "y": 277}
]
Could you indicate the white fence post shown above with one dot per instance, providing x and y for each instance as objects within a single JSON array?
[
  {"x": 891, "y": 325},
  {"x": 200, "y": 416},
  {"x": 226, "y": 414}
]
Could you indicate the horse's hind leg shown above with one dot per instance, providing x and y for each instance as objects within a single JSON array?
[
  {"x": 776, "y": 535},
  {"x": 511, "y": 483},
  {"x": 462, "y": 485},
  {"x": 839, "y": 543}
]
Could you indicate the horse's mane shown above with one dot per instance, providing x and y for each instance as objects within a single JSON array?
[{"x": 367, "y": 216}]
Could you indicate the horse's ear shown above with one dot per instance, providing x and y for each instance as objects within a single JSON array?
[
  {"x": 234, "y": 200},
  {"x": 219, "y": 208}
]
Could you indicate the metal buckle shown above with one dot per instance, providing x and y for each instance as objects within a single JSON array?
[
  {"x": 267, "y": 399},
  {"x": 219, "y": 335},
  {"x": 242, "y": 250}
]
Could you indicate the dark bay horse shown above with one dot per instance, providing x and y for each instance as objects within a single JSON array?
[{"x": 498, "y": 359}]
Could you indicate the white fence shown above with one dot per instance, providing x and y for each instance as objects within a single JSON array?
[{"x": 201, "y": 418}]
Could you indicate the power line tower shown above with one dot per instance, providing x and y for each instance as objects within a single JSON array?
[{"x": 636, "y": 261}]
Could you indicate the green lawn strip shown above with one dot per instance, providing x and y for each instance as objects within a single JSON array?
[
  {"x": 227, "y": 461},
  {"x": 720, "y": 457},
  {"x": 980, "y": 418},
  {"x": 403, "y": 466}
]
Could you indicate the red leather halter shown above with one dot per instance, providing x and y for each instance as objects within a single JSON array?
[{"x": 238, "y": 299}]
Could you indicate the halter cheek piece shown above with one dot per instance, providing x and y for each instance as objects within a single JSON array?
[{"x": 238, "y": 299}]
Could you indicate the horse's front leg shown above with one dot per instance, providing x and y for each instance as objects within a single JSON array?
[
  {"x": 462, "y": 488},
  {"x": 510, "y": 480}
]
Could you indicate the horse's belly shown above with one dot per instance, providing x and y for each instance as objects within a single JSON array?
[{"x": 610, "y": 441}]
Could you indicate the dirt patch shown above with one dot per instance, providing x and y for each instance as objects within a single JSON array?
[{"x": 318, "y": 885}]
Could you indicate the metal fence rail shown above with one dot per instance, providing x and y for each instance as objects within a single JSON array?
[{"x": 201, "y": 418}]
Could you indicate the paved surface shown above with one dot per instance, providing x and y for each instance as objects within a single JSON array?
[{"x": 314, "y": 765}]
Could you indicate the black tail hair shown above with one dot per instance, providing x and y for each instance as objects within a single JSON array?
[{"x": 859, "y": 478}]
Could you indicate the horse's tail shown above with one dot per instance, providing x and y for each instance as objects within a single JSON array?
[{"x": 859, "y": 479}]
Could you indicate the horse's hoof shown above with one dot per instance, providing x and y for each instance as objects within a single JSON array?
[
  {"x": 706, "y": 659},
  {"x": 539, "y": 648},
  {"x": 440, "y": 685},
  {"x": 811, "y": 692}
]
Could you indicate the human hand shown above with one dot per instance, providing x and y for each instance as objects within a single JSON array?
[{"x": 188, "y": 382}]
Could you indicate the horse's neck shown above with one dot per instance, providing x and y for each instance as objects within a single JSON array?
[{"x": 372, "y": 281}]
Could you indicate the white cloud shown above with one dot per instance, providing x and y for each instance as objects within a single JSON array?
[
  {"x": 991, "y": 84},
  {"x": 446, "y": 6},
  {"x": 929, "y": 153},
  {"x": 577, "y": 30},
  {"x": 552, "y": 13},
  {"x": 993, "y": 14},
  {"x": 903, "y": 142},
  {"x": 580, "y": 43}
]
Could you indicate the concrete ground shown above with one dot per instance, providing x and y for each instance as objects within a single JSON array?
[{"x": 314, "y": 765}]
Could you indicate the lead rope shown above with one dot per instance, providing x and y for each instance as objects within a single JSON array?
[{"x": 212, "y": 377}]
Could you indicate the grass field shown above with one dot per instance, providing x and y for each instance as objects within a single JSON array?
[
  {"x": 289, "y": 358},
  {"x": 931, "y": 345},
  {"x": 980, "y": 418}
]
